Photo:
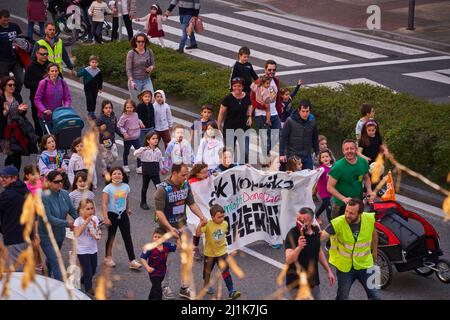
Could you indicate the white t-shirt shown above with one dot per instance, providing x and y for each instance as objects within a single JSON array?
[
  {"x": 273, "y": 101},
  {"x": 86, "y": 244}
]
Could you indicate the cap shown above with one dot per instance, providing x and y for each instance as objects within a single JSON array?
[{"x": 9, "y": 171}]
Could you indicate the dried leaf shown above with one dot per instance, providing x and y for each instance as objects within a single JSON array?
[
  {"x": 29, "y": 269},
  {"x": 448, "y": 177},
  {"x": 234, "y": 267},
  {"x": 446, "y": 207},
  {"x": 187, "y": 259},
  {"x": 304, "y": 291},
  {"x": 378, "y": 168},
  {"x": 282, "y": 274},
  {"x": 100, "y": 290},
  {"x": 90, "y": 148},
  {"x": 27, "y": 218},
  {"x": 153, "y": 245}
]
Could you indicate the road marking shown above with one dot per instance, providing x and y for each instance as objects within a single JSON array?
[
  {"x": 273, "y": 44},
  {"x": 262, "y": 257},
  {"x": 421, "y": 206},
  {"x": 444, "y": 71},
  {"x": 296, "y": 37},
  {"x": 430, "y": 75},
  {"x": 332, "y": 33},
  {"x": 235, "y": 48},
  {"x": 339, "y": 83},
  {"x": 362, "y": 65}
]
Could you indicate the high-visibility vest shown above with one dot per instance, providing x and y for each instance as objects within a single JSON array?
[
  {"x": 345, "y": 252},
  {"x": 55, "y": 53}
]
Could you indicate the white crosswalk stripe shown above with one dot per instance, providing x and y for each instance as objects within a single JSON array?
[
  {"x": 332, "y": 33},
  {"x": 274, "y": 44},
  {"x": 296, "y": 37},
  {"x": 234, "y": 48},
  {"x": 434, "y": 75}
]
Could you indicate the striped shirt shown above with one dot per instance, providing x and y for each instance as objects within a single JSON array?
[
  {"x": 97, "y": 10},
  {"x": 76, "y": 196}
]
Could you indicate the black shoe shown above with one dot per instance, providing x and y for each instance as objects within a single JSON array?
[
  {"x": 192, "y": 47},
  {"x": 180, "y": 50},
  {"x": 144, "y": 206}
]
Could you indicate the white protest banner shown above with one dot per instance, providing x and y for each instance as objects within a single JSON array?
[{"x": 258, "y": 205}]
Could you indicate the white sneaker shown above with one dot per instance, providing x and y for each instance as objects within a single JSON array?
[
  {"x": 168, "y": 293},
  {"x": 109, "y": 262},
  {"x": 139, "y": 170},
  {"x": 126, "y": 169},
  {"x": 185, "y": 293},
  {"x": 135, "y": 265}
]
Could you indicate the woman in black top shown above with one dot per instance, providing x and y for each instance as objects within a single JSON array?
[{"x": 234, "y": 113}]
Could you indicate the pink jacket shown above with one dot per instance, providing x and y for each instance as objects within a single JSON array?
[
  {"x": 50, "y": 96},
  {"x": 130, "y": 124},
  {"x": 36, "y": 10},
  {"x": 322, "y": 183}
]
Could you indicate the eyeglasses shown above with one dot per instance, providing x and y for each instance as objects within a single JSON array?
[
  {"x": 11, "y": 84},
  {"x": 57, "y": 181},
  {"x": 43, "y": 54}
]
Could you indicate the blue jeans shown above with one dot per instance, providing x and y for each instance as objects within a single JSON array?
[
  {"x": 126, "y": 150},
  {"x": 51, "y": 259},
  {"x": 345, "y": 281},
  {"x": 271, "y": 135},
  {"x": 184, "y": 20},
  {"x": 140, "y": 85},
  {"x": 30, "y": 30},
  {"x": 144, "y": 132}
]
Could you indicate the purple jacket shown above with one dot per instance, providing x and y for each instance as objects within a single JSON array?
[
  {"x": 130, "y": 124},
  {"x": 50, "y": 96}
]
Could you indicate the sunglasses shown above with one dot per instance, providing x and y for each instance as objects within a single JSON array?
[
  {"x": 57, "y": 181},
  {"x": 43, "y": 54},
  {"x": 11, "y": 84},
  {"x": 272, "y": 70},
  {"x": 140, "y": 41}
]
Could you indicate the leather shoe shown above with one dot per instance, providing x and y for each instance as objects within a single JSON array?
[{"x": 180, "y": 50}]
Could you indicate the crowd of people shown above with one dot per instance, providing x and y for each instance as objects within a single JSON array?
[{"x": 187, "y": 155}]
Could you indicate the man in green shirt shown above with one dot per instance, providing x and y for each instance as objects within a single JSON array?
[{"x": 347, "y": 177}]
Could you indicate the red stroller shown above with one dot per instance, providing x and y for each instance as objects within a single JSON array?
[{"x": 408, "y": 241}]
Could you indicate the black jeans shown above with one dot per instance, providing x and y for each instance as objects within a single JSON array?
[
  {"x": 145, "y": 182},
  {"x": 156, "y": 290},
  {"x": 88, "y": 264},
  {"x": 115, "y": 27},
  {"x": 325, "y": 205},
  {"x": 124, "y": 225},
  {"x": 91, "y": 99},
  {"x": 14, "y": 159},
  {"x": 87, "y": 18},
  {"x": 34, "y": 115},
  {"x": 97, "y": 31}
]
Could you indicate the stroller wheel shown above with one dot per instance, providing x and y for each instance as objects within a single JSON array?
[
  {"x": 424, "y": 271},
  {"x": 444, "y": 270},
  {"x": 386, "y": 271}
]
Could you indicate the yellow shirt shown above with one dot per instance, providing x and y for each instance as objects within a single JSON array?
[{"x": 215, "y": 242}]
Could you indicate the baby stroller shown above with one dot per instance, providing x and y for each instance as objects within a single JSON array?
[
  {"x": 408, "y": 241},
  {"x": 67, "y": 126}
]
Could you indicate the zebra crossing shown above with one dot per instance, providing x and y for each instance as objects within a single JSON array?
[{"x": 291, "y": 44}]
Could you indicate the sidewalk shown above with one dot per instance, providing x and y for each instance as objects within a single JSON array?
[{"x": 432, "y": 17}]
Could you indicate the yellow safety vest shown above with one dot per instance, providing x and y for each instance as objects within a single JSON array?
[
  {"x": 55, "y": 53},
  {"x": 345, "y": 252}
]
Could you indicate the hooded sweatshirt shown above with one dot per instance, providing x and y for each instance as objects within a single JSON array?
[
  {"x": 130, "y": 124},
  {"x": 163, "y": 115},
  {"x": 299, "y": 137},
  {"x": 11, "y": 203},
  {"x": 208, "y": 152},
  {"x": 76, "y": 163}
]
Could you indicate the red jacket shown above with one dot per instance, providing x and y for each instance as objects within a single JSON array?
[{"x": 279, "y": 104}]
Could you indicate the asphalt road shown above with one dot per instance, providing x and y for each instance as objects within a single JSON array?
[{"x": 260, "y": 276}]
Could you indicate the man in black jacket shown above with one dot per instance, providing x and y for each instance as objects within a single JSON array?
[
  {"x": 11, "y": 203},
  {"x": 300, "y": 136},
  {"x": 35, "y": 72}
]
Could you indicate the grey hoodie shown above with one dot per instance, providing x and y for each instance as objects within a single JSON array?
[{"x": 163, "y": 115}]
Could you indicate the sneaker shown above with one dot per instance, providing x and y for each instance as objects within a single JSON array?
[
  {"x": 144, "y": 206},
  {"x": 168, "y": 293},
  {"x": 197, "y": 254},
  {"x": 210, "y": 290},
  {"x": 234, "y": 295},
  {"x": 126, "y": 169},
  {"x": 180, "y": 50},
  {"x": 192, "y": 47},
  {"x": 276, "y": 246},
  {"x": 139, "y": 170},
  {"x": 135, "y": 265},
  {"x": 109, "y": 262},
  {"x": 185, "y": 293}
]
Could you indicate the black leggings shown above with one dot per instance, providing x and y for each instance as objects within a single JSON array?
[
  {"x": 325, "y": 205},
  {"x": 115, "y": 27},
  {"x": 91, "y": 99},
  {"x": 124, "y": 225},
  {"x": 14, "y": 159},
  {"x": 156, "y": 290},
  {"x": 145, "y": 182},
  {"x": 88, "y": 264}
]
